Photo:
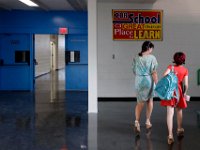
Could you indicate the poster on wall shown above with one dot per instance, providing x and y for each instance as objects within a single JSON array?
[{"x": 137, "y": 24}]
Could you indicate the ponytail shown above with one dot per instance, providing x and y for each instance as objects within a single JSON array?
[{"x": 140, "y": 54}]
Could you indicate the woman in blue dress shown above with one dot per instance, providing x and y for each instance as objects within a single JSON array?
[{"x": 144, "y": 69}]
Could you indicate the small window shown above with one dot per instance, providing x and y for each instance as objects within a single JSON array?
[{"x": 22, "y": 57}]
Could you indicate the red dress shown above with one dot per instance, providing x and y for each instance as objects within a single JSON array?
[{"x": 181, "y": 73}]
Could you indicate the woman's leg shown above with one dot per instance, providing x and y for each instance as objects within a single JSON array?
[
  {"x": 138, "y": 110},
  {"x": 149, "y": 109},
  {"x": 170, "y": 114}
]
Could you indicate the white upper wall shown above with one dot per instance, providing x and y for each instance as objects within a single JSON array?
[
  {"x": 42, "y": 54},
  {"x": 181, "y": 32}
]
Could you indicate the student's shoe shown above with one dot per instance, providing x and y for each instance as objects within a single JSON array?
[
  {"x": 180, "y": 132},
  {"x": 137, "y": 128},
  {"x": 170, "y": 139},
  {"x": 148, "y": 125}
]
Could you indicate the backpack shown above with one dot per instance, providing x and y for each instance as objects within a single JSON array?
[{"x": 167, "y": 85}]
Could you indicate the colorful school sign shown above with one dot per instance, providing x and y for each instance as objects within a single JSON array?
[{"x": 137, "y": 24}]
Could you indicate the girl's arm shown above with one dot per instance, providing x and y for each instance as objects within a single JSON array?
[
  {"x": 166, "y": 72},
  {"x": 185, "y": 84}
]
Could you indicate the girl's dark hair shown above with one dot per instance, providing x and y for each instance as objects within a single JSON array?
[
  {"x": 145, "y": 46},
  {"x": 179, "y": 58}
]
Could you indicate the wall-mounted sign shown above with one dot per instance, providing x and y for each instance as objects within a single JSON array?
[{"x": 137, "y": 24}]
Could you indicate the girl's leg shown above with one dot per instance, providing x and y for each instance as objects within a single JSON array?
[
  {"x": 180, "y": 130},
  {"x": 170, "y": 114},
  {"x": 149, "y": 109},
  {"x": 179, "y": 117}
]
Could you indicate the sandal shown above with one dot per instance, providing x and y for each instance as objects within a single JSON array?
[
  {"x": 137, "y": 128},
  {"x": 180, "y": 132},
  {"x": 148, "y": 125},
  {"x": 170, "y": 140}
]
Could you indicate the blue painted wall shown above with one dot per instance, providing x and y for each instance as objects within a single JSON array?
[
  {"x": 27, "y": 23},
  {"x": 15, "y": 75},
  {"x": 43, "y": 22},
  {"x": 77, "y": 73}
]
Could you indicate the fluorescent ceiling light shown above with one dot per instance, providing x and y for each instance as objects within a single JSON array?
[{"x": 29, "y": 3}]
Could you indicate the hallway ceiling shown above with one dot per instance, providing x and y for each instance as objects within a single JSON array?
[
  {"x": 128, "y": 1},
  {"x": 50, "y": 5}
]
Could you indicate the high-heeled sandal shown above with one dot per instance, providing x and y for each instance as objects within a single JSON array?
[
  {"x": 137, "y": 128},
  {"x": 170, "y": 139},
  {"x": 180, "y": 132},
  {"x": 148, "y": 125}
]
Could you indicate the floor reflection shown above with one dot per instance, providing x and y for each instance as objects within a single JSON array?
[
  {"x": 180, "y": 143},
  {"x": 148, "y": 142},
  {"x": 137, "y": 143},
  {"x": 148, "y": 139},
  {"x": 16, "y": 121},
  {"x": 43, "y": 121},
  {"x": 26, "y": 123},
  {"x": 47, "y": 119},
  {"x": 54, "y": 80},
  {"x": 64, "y": 111}
]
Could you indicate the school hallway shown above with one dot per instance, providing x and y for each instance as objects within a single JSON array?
[{"x": 54, "y": 119}]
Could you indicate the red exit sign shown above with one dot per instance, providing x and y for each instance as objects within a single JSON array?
[{"x": 63, "y": 30}]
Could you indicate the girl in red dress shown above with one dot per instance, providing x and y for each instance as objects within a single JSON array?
[{"x": 182, "y": 74}]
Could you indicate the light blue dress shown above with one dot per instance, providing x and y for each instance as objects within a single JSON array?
[{"x": 143, "y": 67}]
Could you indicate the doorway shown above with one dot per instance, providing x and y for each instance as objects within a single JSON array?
[{"x": 50, "y": 62}]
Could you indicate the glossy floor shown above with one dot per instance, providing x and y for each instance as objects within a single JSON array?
[{"x": 52, "y": 119}]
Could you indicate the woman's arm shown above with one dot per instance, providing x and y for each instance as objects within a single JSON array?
[
  {"x": 155, "y": 77},
  {"x": 133, "y": 66}
]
